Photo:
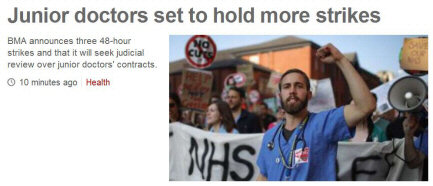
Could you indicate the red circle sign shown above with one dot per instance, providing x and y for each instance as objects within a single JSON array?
[
  {"x": 254, "y": 96},
  {"x": 200, "y": 51},
  {"x": 236, "y": 79}
]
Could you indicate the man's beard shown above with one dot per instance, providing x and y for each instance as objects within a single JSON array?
[
  {"x": 295, "y": 108},
  {"x": 236, "y": 107}
]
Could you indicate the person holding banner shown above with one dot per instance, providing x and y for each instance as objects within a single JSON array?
[
  {"x": 220, "y": 119},
  {"x": 303, "y": 146}
]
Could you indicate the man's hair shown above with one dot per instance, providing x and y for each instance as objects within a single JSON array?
[
  {"x": 295, "y": 70},
  {"x": 240, "y": 91}
]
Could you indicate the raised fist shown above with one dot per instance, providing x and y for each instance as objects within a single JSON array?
[{"x": 329, "y": 54}]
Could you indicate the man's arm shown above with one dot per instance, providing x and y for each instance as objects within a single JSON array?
[
  {"x": 413, "y": 157},
  {"x": 261, "y": 178},
  {"x": 364, "y": 102}
]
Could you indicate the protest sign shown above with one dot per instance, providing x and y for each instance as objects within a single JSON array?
[
  {"x": 323, "y": 95},
  {"x": 236, "y": 79},
  {"x": 415, "y": 54},
  {"x": 200, "y": 51},
  {"x": 274, "y": 80},
  {"x": 254, "y": 96},
  {"x": 197, "y": 85},
  {"x": 247, "y": 69},
  {"x": 272, "y": 103}
]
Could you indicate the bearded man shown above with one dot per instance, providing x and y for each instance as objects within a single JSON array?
[
  {"x": 303, "y": 146},
  {"x": 246, "y": 122}
]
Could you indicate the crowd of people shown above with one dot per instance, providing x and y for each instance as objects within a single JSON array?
[
  {"x": 373, "y": 128},
  {"x": 354, "y": 122}
]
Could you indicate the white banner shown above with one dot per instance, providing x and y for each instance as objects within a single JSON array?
[
  {"x": 373, "y": 161},
  {"x": 323, "y": 95},
  {"x": 200, "y": 155}
]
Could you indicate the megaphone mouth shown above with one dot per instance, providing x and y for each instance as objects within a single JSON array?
[
  {"x": 407, "y": 94},
  {"x": 412, "y": 101}
]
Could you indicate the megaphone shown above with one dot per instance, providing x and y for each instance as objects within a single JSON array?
[{"x": 407, "y": 94}]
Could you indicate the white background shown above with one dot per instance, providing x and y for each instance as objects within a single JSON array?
[{"x": 118, "y": 135}]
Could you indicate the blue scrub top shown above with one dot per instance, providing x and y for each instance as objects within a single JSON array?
[
  {"x": 421, "y": 142},
  {"x": 322, "y": 133}
]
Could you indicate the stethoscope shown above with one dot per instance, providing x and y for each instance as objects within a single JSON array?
[{"x": 300, "y": 134}]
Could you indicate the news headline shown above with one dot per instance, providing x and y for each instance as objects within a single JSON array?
[{"x": 194, "y": 15}]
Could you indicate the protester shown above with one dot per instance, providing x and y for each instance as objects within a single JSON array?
[
  {"x": 175, "y": 113},
  {"x": 415, "y": 152},
  {"x": 187, "y": 116},
  {"x": 198, "y": 121},
  {"x": 304, "y": 145},
  {"x": 366, "y": 131},
  {"x": 383, "y": 120},
  {"x": 280, "y": 116},
  {"x": 265, "y": 117},
  {"x": 395, "y": 128},
  {"x": 220, "y": 119},
  {"x": 246, "y": 122}
]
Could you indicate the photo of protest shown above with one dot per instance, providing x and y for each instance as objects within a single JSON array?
[{"x": 298, "y": 108}]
